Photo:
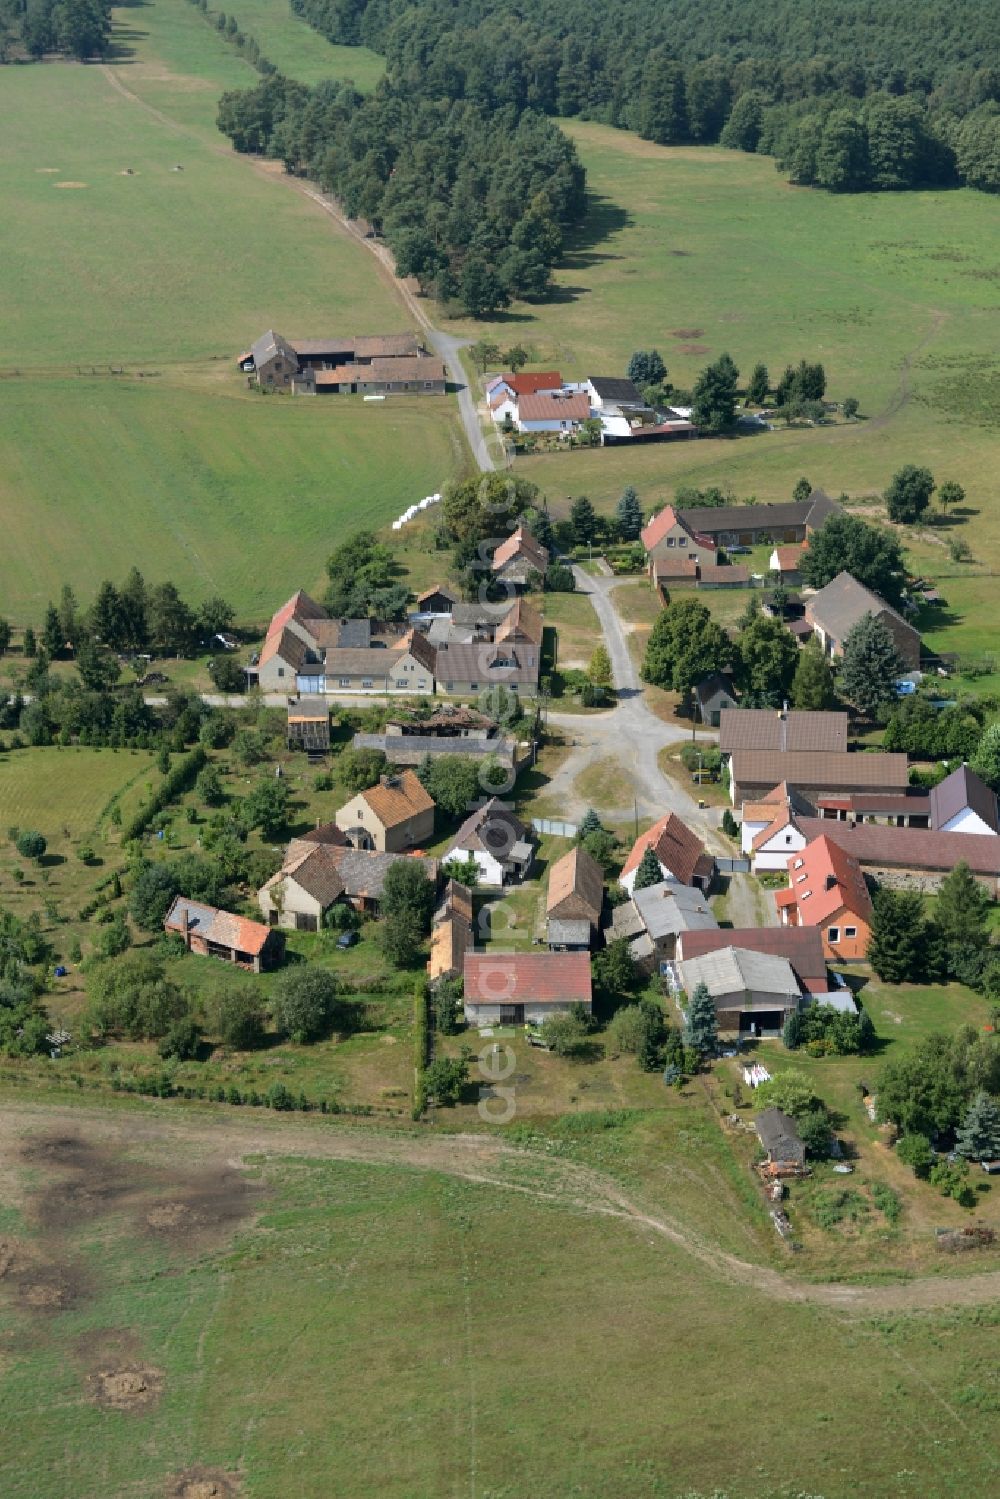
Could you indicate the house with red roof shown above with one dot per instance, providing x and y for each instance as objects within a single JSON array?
[
  {"x": 508, "y": 988},
  {"x": 519, "y": 558},
  {"x": 827, "y": 889},
  {"x": 682, "y": 856}
]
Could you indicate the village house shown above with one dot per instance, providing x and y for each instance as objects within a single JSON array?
[
  {"x": 690, "y": 572},
  {"x": 564, "y": 412},
  {"x": 753, "y": 773},
  {"x": 363, "y": 871},
  {"x": 653, "y": 920},
  {"x": 499, "y": 842},
  {"x": 526, "y": 383},
  {"x": 753, "y": 525},
  {"x": 520, "y": 559},
  {"x": 308, "y": 724},
  {"x": 575, "y": 899},
  {"x": 753, "y": 992},
  {"x": 769, "y": 832},
  {"x": 220, "y": 934},
  {"x": 306, "y": 653},
  {"x": 440, "y": 599},
  {"x": 304, "y": 889},
  {"x": 826, "y": 889},
  {"x": 681, "y": 855},
  {"x": 466, "y": 669},
  {"x": 525, "y": 987},
  {"x": 836, "y": 609},
  {"x": 395, "y": 815},
  {"x": 782, "y": 1144},
  {"x": 609, "y": 393},
  {"x": 666, "y": 537}
]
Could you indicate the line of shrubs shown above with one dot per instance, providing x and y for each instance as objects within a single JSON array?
[
  {"x": 178, "y": 779},
  {"x": 421, "y": 1045}
]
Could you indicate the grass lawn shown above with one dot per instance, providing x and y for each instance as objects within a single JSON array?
[{"x": 579, "y": 632}]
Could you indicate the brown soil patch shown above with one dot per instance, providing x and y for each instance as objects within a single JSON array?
[
  {"x": 70, "y": 184},
  {"x": 130, "y": 1387},
  {"x": 203, "y": 1483},
  {"x": 49, "y": 170},
  {"x": 687, "y": 333},
  {"x": 694, "y": 349},
  {"x": 36, "y": 1284}
]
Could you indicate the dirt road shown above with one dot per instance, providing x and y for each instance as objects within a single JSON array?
[{"x": 484, "y": 1159}]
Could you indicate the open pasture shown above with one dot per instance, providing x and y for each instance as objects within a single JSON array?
[{"x": 350, "y": 1315}]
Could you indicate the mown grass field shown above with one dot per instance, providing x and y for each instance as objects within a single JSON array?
[
  {"x": 300, "y": 52},
  {"x": 180, "y": 471},
  {"x": 352, "y": 1327}
]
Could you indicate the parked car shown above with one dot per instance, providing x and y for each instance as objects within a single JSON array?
[{"x": 346, "y": 940}]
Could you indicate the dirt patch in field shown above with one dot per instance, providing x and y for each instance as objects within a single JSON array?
[
  {"x": 687, "y": 333},
  {"x": 127, "y": 1387},
  {"x": 203, "y": 1483},
  {"x": 70, "y": 184},
  {"x": 694, "y": 349},
  {"x": 49, "y": 171},
  {"x": 37, "y": 1284}
]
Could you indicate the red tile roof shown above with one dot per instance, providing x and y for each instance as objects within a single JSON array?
[
  {"x": 299, "y": 606},
  {"x": 677, "y": 848},
  {"x": 529, "y": 384},
  {"x": 561, "y": 978},
  {"x": 824, "y": 880},
  {"x": 657, "y": 528}
]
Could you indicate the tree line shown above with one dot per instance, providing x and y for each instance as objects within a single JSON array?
[
  {"x": 75, "y": 28},
  {"x": 856, "y": 97}
]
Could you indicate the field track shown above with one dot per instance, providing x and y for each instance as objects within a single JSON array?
[{"x": 481, "y": 1159}]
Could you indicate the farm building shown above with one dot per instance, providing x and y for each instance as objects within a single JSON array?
[
  {"x": 815, "y": 774},
  {"x": 782, "y": 1144},
  {"x": 308, "y": 726},
  {"x": 374, "y": 364},
  {"x": 653, "y": 920},
  {"x": 963, "y": 803},
  {"x": 525, "y": 987},
  {"x": 220, "y": 934},
  {"x": 791, "y": 730},
  {"x": 304, "y": 888},
  {"x": 753, "y": 992},
  {"x": 363, "y": 872},
  {"x": 752, "y": 525},
  {"x": 576, "y": 891}
]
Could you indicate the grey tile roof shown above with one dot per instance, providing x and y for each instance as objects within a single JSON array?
[
  {"x": 843, "y": 602},
  {"x": 779, "y": 1136},
  {"x": 483, "y": 662},
  {"x": 765, "y": 729},
  {"x": 611, "y": 388},
  {"x": 733, "y": 970},
  {"x": 561, "y": 933}
]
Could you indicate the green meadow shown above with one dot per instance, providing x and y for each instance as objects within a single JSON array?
[{"x": 300, "y": 52}]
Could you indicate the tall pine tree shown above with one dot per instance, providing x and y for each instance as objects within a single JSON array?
[
  {"x": 649, "y": 871},
  {"x": 979, "y": 1136},
  {"x": 871, "y": 666},
  {"x": 701, "y": 1030},
  {"x": 629, "y": 513}
]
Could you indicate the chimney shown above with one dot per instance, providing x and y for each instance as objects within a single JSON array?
[{"x": 184, "y": 926}]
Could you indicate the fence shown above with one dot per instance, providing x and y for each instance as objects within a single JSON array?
[
  {"x": 733, "y": 866},
  {"x": 559, "y": 829}
]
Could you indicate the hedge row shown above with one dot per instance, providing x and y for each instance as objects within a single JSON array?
[
  {"x": 421, "y": 1044},
  {"x": 179, "y": 778}
]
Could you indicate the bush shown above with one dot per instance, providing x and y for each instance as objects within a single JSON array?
[
  {"x": 915, "y": 1151},
  {"x": 445, "y": 1078},
  {"x": 182, "y": 1040},
  {"x": 304, "y": 1002},
  {"x": 31, "y": 845},
  {"x": 279, "y": 1097},
  {"x": 237, "y": 1019},
  {"x": 360, "y": 768}
]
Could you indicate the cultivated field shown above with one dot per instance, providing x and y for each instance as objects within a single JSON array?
[{"x": 167, "y": 275}]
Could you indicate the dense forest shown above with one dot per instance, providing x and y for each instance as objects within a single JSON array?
[
  {"x": 864, "y": 95},
  {"x": 76, "y": 28}
]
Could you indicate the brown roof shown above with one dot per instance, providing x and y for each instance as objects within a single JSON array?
[
  {"x": 444, "y": 589},
  {"x": 837, "y": 770},
  {"x": 576, "y": 882},
  {"x": 561, "y": 978},
  {"x": 367, "y": 346},
  {"x": 480, "y": 661},
  {"x": 963, "y": 789},
  {"x": 383, "y": 372},
  {"x": 712, "y": 572},
  {"x": 766, "y": 729},
  {"x": 324, "y": 832},
  {"x": 312, "y": 866},
  {"x": 397, "y": 798},
  {"x": 456, "y": 901},
  {"x": 521, "y": 544},
  {"x": 802, "y": 946},
  {"x": 489, "y": 829},
  {"x": 790, "y": 557},
  {"x": 678, "y": 566},
  {"x": 521, "y": 619},
  {"x": 574, "y": 408},
  {"x": 363, "y": 870},
  {"x": 451, "y": 939},
  {"x": 362, "y": 661},
  {"x": 908, "y": 848},
  {"x": 677, "y": 848},
  {"x": 839, "y": 606}
]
